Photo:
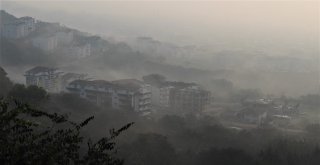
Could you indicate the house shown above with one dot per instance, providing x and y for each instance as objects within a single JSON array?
[
  {"x": 45, "y": 77},
  {"x": 18, "y": 29}
]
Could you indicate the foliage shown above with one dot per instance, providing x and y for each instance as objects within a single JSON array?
[
  {"x": 30, "y": 136},
  {"x": 154, "y": 79},
  {"x": 227, "y": 156},
  {"x": 149, "y": 149},
  {"x": 313, "y": 129},
  {"x": 5, "y": 83},
  {"x": 32, "y": 94},
  {"x": 312, "y": 100},
  {"x": 72, "y": 102}
]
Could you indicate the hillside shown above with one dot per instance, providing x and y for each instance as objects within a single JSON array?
[
  {"x": 112, "y": 59},
  {"x": 102, "y": 58},
  {"x": 6, "y": 17}
]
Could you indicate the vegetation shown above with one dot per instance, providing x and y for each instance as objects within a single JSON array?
[
  {"x": 30, "y": 136},
  {"x": 5, "y": 83},
  {"x": 49, "y": 136}
]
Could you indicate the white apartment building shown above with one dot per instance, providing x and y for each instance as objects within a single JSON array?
[
  {"x": 188, "y": 97},
  {"x": 47, "y": 43},
  {"x": 47, "y": 78},
  {"x": 80, "y": 51},
  {"x": 120, "y": 94},
  {"x": 64, "y": 38},
  {"x": 164, "y": 96}
]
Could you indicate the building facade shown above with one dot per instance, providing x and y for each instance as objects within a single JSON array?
[
  {"x": 189, "y": 99},
  {"x": 121, "y": 94},
  {"x": 180, "y": 96},
  {"x": 18, "y": 29},
  {"x": 80, "y": 51},
  {"x": 44, "y": 77},
  {"x": 47, "y": 43}
]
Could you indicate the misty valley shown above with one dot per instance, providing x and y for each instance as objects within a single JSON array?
[{"x": 70, "y": 96}]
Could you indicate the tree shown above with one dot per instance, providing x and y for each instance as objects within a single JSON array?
[
  {"x": 32, "y": 94},
  {"x": 5, "y": 83},
  {"x": 313, "y": 129},
  {"x": 149, "y": 149},
  {"x": 172, "y": 124},
  {"x": 154, "y": 79},
  {"x": 229, "y": 156},
  {"x": 30, "y": 136}
]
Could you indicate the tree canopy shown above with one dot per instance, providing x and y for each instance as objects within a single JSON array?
[{"x": 31, "y": 136}]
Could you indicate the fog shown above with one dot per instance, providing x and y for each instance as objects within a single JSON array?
[
  {"x": 247, "y": 37},
  {"x": 186, "y": 82},
  {"x": 290, "y": 23}
]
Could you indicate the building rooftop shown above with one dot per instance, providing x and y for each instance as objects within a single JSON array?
[
  {"x": 40, "y": 69},
  {"x": 178, "y": 84},
  {"x": 96, "y": 83},
  {"x": 126, "y": 84},
  {"x": 129, "y": 84},
  {"x": 14, "y": 23},
  {"x": 26, "y": 18}
]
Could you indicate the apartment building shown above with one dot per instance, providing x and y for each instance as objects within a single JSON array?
[
  {"x": 180, "y": 96},
  {"x": 45, "y": 77},
  {"x": 121, "y": 94}
]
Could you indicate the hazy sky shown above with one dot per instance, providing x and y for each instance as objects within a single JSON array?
[{"x": 207, "y": 21}]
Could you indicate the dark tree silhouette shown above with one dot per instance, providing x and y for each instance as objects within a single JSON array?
[
  {"x": 5, "y": 83},
  {"x": 33, "y": 95},
  {"x": 30, "y": 136}
]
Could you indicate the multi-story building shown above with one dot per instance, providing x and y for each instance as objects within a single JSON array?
[
  {"x": 121, "y": 94},
  {"x": 97, "y": 91},
  {"x": 18, "y": 29},
  {"x": 189, "y": 99},
  {"x": 180, "y": 96},
  {"x": 141, "y": 93},
  {"x": 80, "y": 51},
  {"x": 47, "y": 78},
  {"x": 47, "y": 43},
  {"x": 67, "y": 78},
  {"x": 164, "y": 96},
  {"x": 51, "y": 79},
  {"x": 64, "y": 37}
]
